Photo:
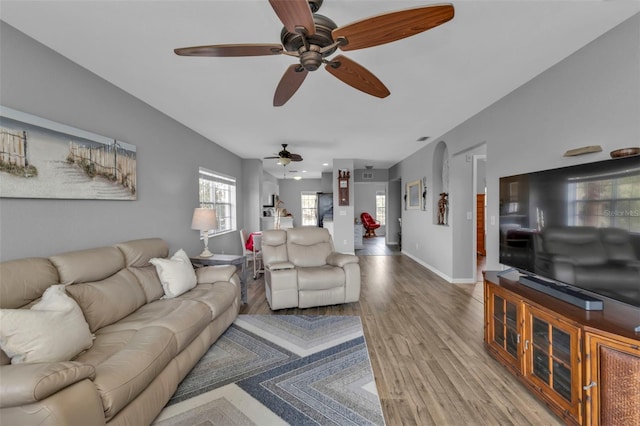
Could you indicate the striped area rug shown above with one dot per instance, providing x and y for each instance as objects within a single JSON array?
[{"x": 279, "y": 370}]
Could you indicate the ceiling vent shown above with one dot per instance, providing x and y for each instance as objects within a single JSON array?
[{"x": 367, "y": 175}]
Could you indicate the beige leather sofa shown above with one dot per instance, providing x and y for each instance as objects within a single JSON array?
[
  {"x": 144, "y": 345},
  {"x": 302, "y": 270}
]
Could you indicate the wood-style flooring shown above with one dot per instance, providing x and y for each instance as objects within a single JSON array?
[{"x": 425, "y": 340}]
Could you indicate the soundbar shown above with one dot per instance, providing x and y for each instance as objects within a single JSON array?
[{"x": 567, "y": 294}]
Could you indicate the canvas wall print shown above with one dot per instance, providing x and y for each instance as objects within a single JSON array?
[
  {"x": 413, "y": 191},
  {"x": 40, "y": 158}
]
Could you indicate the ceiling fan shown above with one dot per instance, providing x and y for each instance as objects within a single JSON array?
[
  {"x": 285, "y": 157},
  {"x": 312, "y": 38}
]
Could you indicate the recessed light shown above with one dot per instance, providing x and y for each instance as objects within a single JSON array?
[
  {"x": 304, "y": 171},
  {"x": 297, "y": 177},
  {"x": 325, "y": 164}
]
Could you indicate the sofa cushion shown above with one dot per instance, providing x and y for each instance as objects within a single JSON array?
[
  {"x": 274, "y": 246},
  {"x": 308, "y": 246},
  {"x": 149, "y": 281},
  {"x": 184, "y": 318},
  {"x": 176, "y": 274},
  {"x": 31, "y": 276},
  {"x": 126, "y": 373},
  {"x": 137, "y": 254},
  {"x": 88, "y": 265},
  {"x": 320, "y": 278},
  {"x": 105, "y": 302},
  {"x": 217, "y": 296},
  {"x": 54, "y": 329}
]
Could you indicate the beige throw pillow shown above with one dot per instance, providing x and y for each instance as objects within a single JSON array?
[
  {"x": 176, "y": 274},
  {"x": 54, "y": 329}
]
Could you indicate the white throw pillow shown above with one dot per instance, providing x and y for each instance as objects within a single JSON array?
[
  {"x": 176, "y": 274},
  {"x": 54, "y": 329}
]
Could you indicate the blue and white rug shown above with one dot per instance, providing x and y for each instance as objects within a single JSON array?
[{"x": 279, "y": 370}]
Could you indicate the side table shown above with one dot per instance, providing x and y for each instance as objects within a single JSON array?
[{"x": 226, "y": 259}]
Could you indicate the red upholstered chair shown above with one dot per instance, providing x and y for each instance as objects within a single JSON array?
[{"x": 370, "y": 224}]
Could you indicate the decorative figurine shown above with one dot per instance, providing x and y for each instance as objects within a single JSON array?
[{"x": 442, "y": 208}]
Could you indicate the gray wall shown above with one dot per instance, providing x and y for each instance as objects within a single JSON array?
[
  {"x": 251, "y": 195},
  {"x": 343, "y": 216},
  {"x": 38, "y": 81},
  {"x": 590, "y": 98}
]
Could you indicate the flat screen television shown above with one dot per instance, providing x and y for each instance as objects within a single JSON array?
[{"x": 576, "y": 226}]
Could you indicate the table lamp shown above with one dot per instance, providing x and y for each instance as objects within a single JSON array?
[{"x": 204, "y": 220}]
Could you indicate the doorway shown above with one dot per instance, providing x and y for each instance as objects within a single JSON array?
[{"x": 480, "y": 215}]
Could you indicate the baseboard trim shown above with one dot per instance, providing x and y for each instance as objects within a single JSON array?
[{"x": 429, "y": 267}]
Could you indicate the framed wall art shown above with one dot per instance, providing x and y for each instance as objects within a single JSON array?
[
  {"x": 40, "y": 158},
  {"x": 414, "y": 194}
]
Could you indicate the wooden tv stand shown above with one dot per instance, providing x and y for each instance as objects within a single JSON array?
[{"x": 585, "y": 365}]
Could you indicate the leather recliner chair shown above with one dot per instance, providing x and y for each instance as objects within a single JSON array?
[
  {"x": 303, "y": 270},
  {"x": 370, "y": 224}
]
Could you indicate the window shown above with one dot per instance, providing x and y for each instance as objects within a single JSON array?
[
  {"x": 381, "y": 207},
  {"x": 608, "y": 202},
  {"x": 219, "y": 192},
  {"x": 309, "y": 210}
]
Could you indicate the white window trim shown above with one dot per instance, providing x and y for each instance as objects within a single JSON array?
[{"x": 225, "y": 179}]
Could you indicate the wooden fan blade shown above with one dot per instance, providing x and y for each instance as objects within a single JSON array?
[
  {"x": 271, "y": 158},
  {"x": 289, "y": 84},
  {"x": 227, "y": 50},
  {"x": 357, "y": 76},
  {"x": 294, "y": 13},
  {"x": 392, "y": 26},
  {"x": 295, "y": 157}
]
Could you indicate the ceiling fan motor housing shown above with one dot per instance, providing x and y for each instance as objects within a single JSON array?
[
  {"x": 311, "y": 59},
  {"x": 315, "y": 5}
]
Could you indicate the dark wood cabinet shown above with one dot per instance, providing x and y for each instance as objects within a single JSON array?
[{"x": 585, "y": 365}]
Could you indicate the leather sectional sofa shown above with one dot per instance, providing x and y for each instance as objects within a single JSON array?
[
  {"x": 303, "y": 270},
  {"x": 144, "y": 344}
]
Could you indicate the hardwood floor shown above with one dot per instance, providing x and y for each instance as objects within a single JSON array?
[{"x": 424, "y": 337}]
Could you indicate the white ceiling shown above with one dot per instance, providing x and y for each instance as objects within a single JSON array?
[{"x": 437, "y": 79}]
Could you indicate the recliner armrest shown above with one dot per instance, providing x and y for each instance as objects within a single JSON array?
[
  {"x": 341, "y": 259},
  {"x": 211, "y": 274},
  {"x": 28, "y": 383},
  {"x": 280, "y": 266}
]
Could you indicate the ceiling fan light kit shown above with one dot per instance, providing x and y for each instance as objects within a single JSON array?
[
  {"x": 285, "y": 157},
  {"x": 312, "y": 38}
]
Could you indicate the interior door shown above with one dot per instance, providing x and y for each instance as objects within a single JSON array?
[{"x": 480, "y": 234}]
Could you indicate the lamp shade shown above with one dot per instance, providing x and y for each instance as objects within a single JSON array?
[
  {"x": 284, "y": 161},
  {"x": 204, "y": 219}
]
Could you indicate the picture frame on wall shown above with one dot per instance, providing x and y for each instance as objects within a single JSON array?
[
  {"x": 40, "y": 158},
  {"x": 414, "y": 194}
]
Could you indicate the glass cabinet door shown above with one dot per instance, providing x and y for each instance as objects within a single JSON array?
[
  {"x": 503, "y": 326},
  {"x": 551, "y": 358}
]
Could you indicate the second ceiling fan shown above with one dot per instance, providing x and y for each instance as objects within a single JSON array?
[
  {"x": 285, "y": 157},
  {"x": 312, "y": 38}
]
